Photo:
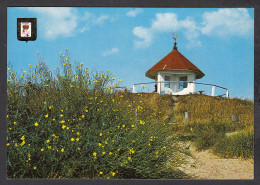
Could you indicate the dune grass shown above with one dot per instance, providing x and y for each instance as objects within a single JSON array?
[{"x": 73, "y": 123}]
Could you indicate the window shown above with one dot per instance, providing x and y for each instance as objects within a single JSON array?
[
  {"x": 167, "y": 84},
  {"x": 183, "y": 84}
]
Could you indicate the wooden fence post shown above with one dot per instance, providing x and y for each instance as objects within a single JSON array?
[
  {"x": 186, "y": 117},
  {"x": 133, "y": 88},
  {"x": 233, "y": 117},
  {"x": 227, "y": 94},
  {"x": 213, "y": 90}
]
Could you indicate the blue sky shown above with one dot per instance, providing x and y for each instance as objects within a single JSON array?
[{"x": 129, "y": 41}]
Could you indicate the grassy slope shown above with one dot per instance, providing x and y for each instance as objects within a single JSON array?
[{"x": 210, "y": 119}]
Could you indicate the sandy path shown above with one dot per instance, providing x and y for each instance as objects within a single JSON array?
[{"x": 205, "y": 165}]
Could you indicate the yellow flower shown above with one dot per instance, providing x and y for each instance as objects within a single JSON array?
[
  {"x": 142, "y": 122},
  {"x": 78, "y": 148},
  {"x": 42, "y": 149},
  {"x": 131, "y": 151},
  {"x": 62, "y": 150},
  {"x": 113, "y": 174},
  {"x": 23, "y": 143},
  {"x": 129, "y": 158},
  {"x": 49, "y": 107},
  {"x": 34, "y": 167},
  {"x": 77, "y": 139},
  {"x": 95, "y": 154},
  {"x": 62, "y": 121},
  {"x": 99, "y": 144},
  {"x": 47, "y": 141},
  {"x": 164, "y": 148},
  {"x": 46, "y": 116},
  {"x": 86, "y": 110},
  {"x": 78, "y": 133},
  {"x": 67, "y": 59},
  {"x": 49, "y": 147},
  {"x": 72, "y": 139},
  {"x": 110, "y": 153},
  {"x": 61, "y": 115},
  {"x": 60, "y": 53},
  {"x": 76, "y": 77},
  {"x": 30, "y": 65},
  {"x": 36, "y": 124},
  {"x": 101, "y": 173},
  {"x": 83, "y": 116},
  {"x": 22, "y": 138},
  {"x": 132, "y": 126},
  {"x": 7, "y": 144},
  {"x": 63, "y": 127},
  {"x": 103, "y": 153},
  {"x": 100, "y": 134}
]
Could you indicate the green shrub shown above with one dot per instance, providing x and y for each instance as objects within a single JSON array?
[
  {"x": 207, "y": 135},
  {"x": 74, "y": 124},
  {"x": 237, "y": 145}
]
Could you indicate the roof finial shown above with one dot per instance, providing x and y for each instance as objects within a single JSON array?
[{"x": 175, "y": 38}]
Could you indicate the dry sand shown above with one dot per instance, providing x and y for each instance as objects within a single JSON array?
[{"x": 205, "y": 165}]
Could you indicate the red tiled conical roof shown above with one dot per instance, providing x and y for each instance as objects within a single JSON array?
[{"x": 174, "y": 61}]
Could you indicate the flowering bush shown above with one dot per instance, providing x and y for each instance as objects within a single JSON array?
[{"x": 72, "y": 123}]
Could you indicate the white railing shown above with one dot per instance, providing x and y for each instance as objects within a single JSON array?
[{"x": 146, "y": 87}]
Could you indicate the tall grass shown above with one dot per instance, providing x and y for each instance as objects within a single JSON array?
[
  {"x": 210, "y": 119},
  {"x": 237, "y": 145},
  {"x": 72, "y": 123},
  {"x": 206, "y": 109}
]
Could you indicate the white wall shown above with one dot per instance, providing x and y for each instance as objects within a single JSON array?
[{"x": 174, "y": 87}]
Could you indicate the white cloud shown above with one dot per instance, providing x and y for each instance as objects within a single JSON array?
[
  {"x": 66, "y": 22},
  {"x": 231, "y": 21},
  {"x": 101, "y": 19},
  {"x": 145, "y": 35},
  {"x": 134, "y": 13},
  {"x": 166, "y": 22},
  {"x": 86, "y": 16},
  {"x": 223, "y": 22},
  {"x": 56, "y": 21},
  {"x": 111, "y": 51}
]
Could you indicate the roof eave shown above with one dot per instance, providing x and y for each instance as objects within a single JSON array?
[{"x": 151, "y": 74}]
